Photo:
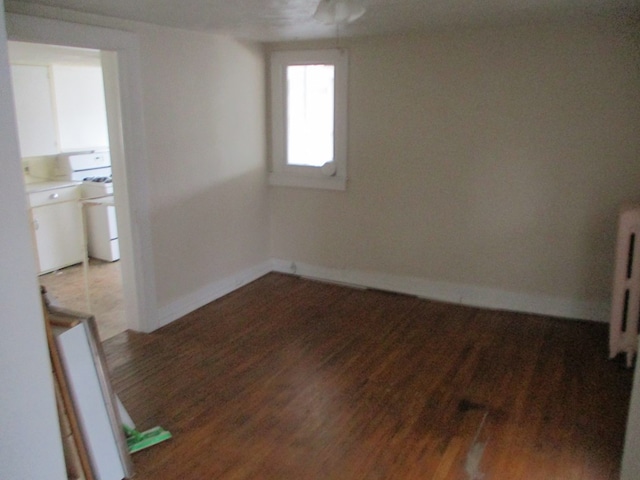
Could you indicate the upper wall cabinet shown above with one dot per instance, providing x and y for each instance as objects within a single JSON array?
[
  {"x": 60, "y": 108},
  {"x": 80, "y": 108},
  {"x": 34, "y": 110}
]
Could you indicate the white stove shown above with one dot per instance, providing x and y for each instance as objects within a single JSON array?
[
  {"x": 80, "y": 165},
  {"x": 93, "y": 169},
  {"x": 93, "y": 187}
]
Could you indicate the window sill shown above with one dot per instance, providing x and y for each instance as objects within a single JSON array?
[{"x": 291, "y": 180}]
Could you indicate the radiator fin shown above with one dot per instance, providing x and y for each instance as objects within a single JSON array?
[{"x": 625, "y": 302}]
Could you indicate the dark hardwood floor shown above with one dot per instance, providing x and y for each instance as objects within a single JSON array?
[{"x": 288, "y": 378}]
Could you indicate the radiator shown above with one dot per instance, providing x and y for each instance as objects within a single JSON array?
[{"x": 625, "y": 302}]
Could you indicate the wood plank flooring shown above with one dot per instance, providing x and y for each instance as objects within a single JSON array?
[
  {"x": 289, "y": 378},
  {"x": 66, "y": 289}
]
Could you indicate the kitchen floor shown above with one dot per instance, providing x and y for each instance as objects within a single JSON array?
[{"x": 66, "y": 288}]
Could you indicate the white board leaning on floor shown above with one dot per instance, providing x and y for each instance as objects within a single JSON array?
[{"x": 93, "y": 401}]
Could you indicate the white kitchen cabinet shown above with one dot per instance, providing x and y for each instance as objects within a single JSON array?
[
  {"x": 57, "y": 227},
  {"x": 80, "y": 107},
  {"x": 59, "y": 108},
  {"x": 34, "y": 110}
]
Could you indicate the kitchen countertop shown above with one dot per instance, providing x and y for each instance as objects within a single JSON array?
[{"x": 43, "y": 186}]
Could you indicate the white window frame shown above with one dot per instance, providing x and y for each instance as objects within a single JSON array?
[{"x": 283, "y": 174}]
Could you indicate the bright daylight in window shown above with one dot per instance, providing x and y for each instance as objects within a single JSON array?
[
  {"x": 310, "y": 114},
  {"x": 308, "y": 102}
]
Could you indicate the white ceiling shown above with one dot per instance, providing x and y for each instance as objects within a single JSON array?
[{"x": 274, "y": 20}]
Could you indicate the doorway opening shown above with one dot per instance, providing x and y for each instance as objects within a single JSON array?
[
  {"x": 120, "y": 59},
  {"x": 62, "y": 116}
]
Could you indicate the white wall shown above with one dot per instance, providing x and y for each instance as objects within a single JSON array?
[
  {"x": 206, "y": 134},
  {"x": 30, "y": 446},
  {"x": 490, "y": 163}
]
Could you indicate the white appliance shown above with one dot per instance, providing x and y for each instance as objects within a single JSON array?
[
  {"x": 81, "y": 165},
  {"x": 94, "y": 170}
]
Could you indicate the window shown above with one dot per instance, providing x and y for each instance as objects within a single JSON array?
[{"x": 309, "y": 118}]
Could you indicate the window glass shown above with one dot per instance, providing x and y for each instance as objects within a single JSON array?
[
  {"x": 309, "y": 118},
  {"x": 310, "y": 114}
]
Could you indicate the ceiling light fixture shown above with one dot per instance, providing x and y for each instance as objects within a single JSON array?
[{"x": 336, "y": 12}]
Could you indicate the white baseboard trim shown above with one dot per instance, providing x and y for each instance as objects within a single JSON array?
[
  {"x": 211, "y": 292},
  {"x": 470, "y": 295}
]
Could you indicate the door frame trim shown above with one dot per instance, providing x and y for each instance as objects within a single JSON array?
[{"x": 123, "y": 91}]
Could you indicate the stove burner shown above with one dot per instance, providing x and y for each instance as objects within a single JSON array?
[{"x": 98, "y": 179}]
